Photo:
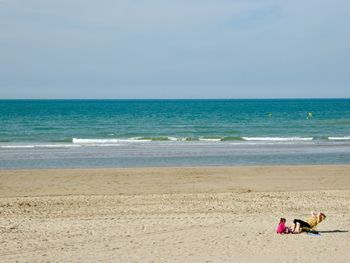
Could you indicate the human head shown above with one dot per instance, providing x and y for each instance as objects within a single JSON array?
[
  {"x": 321, "y": 216},
  {"x": 282, "y": 220}
]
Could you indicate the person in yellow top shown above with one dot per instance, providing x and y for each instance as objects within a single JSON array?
[{"x": 311, "y": 223}]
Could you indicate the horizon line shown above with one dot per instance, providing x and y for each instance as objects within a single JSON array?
[{"x": 246, "y": 98}]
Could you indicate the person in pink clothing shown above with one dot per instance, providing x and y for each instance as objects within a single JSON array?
[{"x": 282, "y": 228}]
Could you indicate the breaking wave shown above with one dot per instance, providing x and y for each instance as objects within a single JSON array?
[
  {"x": 344, "y": 138},
  {"x": 278, "y": 139}
]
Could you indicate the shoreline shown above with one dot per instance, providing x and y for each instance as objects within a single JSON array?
[
  {"x": 131, "y": 181},
  {"x": 185, "y": 167}
]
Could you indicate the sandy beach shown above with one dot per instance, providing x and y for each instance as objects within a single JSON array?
[{"x": 215, "y": 214}]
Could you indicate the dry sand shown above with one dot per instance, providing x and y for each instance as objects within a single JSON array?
[{"x": 173, "y": 214}]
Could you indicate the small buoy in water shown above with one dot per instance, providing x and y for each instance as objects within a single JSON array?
[{"x": 309, "y": 115}]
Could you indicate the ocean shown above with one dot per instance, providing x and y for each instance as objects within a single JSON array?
[{"x": 144, "y": 133}]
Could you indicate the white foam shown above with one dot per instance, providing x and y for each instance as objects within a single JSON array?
[
  {"x": 339, "y": 138},
  {"x": 210, "y": 139},
  {"x": 31, "y": 146},
  {"x": 106, "y": 141},
  {"x": 181, "y": 139},
  {"x": 284, "y": 139},
  {"x": 177, "y": 139},
  {"x": 17, "y": 146}
]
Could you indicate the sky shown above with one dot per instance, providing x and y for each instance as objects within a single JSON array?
[{"x": 140, "y": 49}]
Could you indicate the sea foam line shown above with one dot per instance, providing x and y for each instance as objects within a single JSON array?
[
  {"x": 106, "y": 141},
  {"x": 277, "y": 138},
  {"x": 344, "y": 138},
  {"x": 31, "y": 146},
  {"x": 210, "y": 139}
]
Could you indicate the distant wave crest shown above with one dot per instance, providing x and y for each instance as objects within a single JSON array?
[
  {"x": 88, "y": 142},
  {"x": 31, "y": 146},
  {"x": 279, "y": 139},
  {"x": 106, "y": 141},
  {"x": 128, "y": 140},
  {"x": 344, "y": 138}
]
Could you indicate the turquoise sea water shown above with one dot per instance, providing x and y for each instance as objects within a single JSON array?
[{"x": 128, "y": 133}]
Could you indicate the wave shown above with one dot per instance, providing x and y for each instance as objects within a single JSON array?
[
  {"x": 167, "y": 138},
  {"x": 62, "y": 140},
  {"x": 130, "y": 140},
  {"x": 76, "y": 142},
  {"x": 232, "y": 138},
  {"x": 242, "y": 139},
  {"x": 31, "y": 146},
  {"x": 16, "y": 146},
  {"x": 210, "y": 139},
  {"x": 284, "y": 139},
  {"x": 107, "y": 141},
  {"x": 344, "y": 138},
  {"x": 220, "y": 139},
  {"x": 160, "y": 138}
]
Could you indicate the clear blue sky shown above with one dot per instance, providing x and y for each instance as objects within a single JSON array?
[{"x": 174, "y": 49}]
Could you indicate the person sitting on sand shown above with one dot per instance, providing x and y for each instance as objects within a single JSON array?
[
  {"x": 311, "y": 223},
  {"x": 282, "y": 228}
]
